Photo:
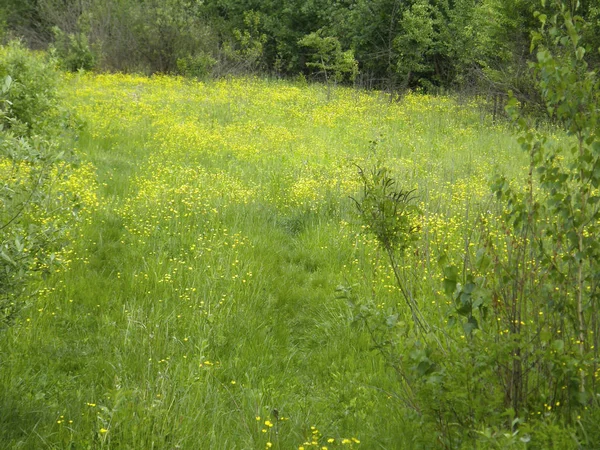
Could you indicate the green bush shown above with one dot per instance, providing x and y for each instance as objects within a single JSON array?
[
  {"x": 30, "y": 128},
  {"x": 520, "y": 334},
  {"x": 28, "y": 101},
  {"x": 198, "y": 66},
  {"x": 73, "y": 51}
]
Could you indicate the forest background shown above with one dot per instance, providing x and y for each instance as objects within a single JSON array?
[{"x": 476, "y": 46}]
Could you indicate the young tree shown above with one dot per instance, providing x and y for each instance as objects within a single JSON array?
[{"x": 328, "y": 59}]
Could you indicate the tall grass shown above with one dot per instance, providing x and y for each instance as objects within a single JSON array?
[{"x": 196, "y": 305}]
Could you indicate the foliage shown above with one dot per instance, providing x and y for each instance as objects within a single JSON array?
[
  {"x": 29, "y": 92},
  {"x": 440, "y": 382},
  {"x": 415, "y": 41},
  {"x": 569, "y": 177},
  {"x": 328, "y": 58},
  {"x": 386, "y": 211},
  {"x": 244, "y": 52},
  {"x": 525, "y": 298},
  {"x": 73, "y": 51},
  {"x": 214, "y": 226},
  {"x": 542, "y": 289},
  {"x": 196, "y": 291},
  {"x": 162, "y": 33},
  {"x": 478, "y": 47},
  {"x": 389, "y": 213},
  {"x": 198, "y": 66},
  {"x": 29, "y": 155}
]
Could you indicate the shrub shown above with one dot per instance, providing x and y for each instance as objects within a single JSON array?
[
  {"x": 198, "y": 66},
  {"x": 525, "y": 295},
  {"x": 29, "y": 150},
  {"x": 73, "y": 51},
  {"x": 29, "y": 103}
]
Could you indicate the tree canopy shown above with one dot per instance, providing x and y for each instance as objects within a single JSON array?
[{"x": 397, "y": 44}]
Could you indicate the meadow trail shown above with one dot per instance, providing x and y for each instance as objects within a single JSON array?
[
  {"x": 294, "y": 278},
  {"x": 158, "y": 280}
]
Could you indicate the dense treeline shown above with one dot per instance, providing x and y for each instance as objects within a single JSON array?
[{"x": 480, "y": 45}]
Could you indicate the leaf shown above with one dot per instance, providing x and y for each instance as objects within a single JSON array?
[
  {"x": 545, "y": 336},
  {"x": 480, "y": 295},
  {"x": 558, "y": 345},
  {"x": 465, "y": 306},
  {"x": 470, "y": 325},
  {"x": 7, "y": 258},
  {"x": 543, "y": 56},
  {"x": 469, "y": 286},
  {"x": 525, "y": 438},
  {"x": 392, "y": 320},
  {"x": 581, "y": 398},
  {"x": 542, "y": 18},
  {"x": 18, "y": 245},
  {"x": 482, "y": 260},
  {"x": 443, "y": 261},
  {"x": 451, "y": 273},
  {"x": 449, "y": 286},
  {"x": 7, "y": 84},
  {"x": 451, "y": 321},
  {"x": 425, "y": 367}
]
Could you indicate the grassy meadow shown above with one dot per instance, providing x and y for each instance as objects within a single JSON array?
[{"x": 195, "y": 306}]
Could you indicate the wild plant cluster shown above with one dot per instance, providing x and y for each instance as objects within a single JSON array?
[
  {"x": 516, "y": 354},
  {"x": 33, "y": 168}
]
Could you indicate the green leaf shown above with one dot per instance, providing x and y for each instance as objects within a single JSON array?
[
  {"x": 470, "y": 325},
  {"x": 7, "y": 84},
  {"x": 542, "y": 18},
  {"x": 543, "y": 56},
  {"x": 465, "y": 307},
  {"x": 558, "y": 345},
  {"x": 545, "y": 336},
  {"x": 480, "y": 297},
  {"x": 7, "y": 258},
  {"x": 451, "y": 272},
  {"x": 582, "y": 398},
  {"x": 392, "y": 320},
  {"x": 425, "y": 367},
  {"x": 450, "y": 279},
  {"x": 18, "y": 245},
  {"x": 449, "y": 286},
  {"x": 442, "y": 261},
  {"x": 482, "y": 260}
]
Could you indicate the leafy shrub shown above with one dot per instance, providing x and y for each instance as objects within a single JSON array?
[
  {"x": 29, "y": 152},
  {"x": 29, "y": 98},
  {"x": 328, "y": 59},
  {"x": 198, "y": 66},
  {"x": 73, "y": 51},
  {"x": 244, "y": 52},
  {"x": 525, "y": 295}
]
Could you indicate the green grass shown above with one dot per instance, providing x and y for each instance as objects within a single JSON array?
[{"x": 198, "y": 292}]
